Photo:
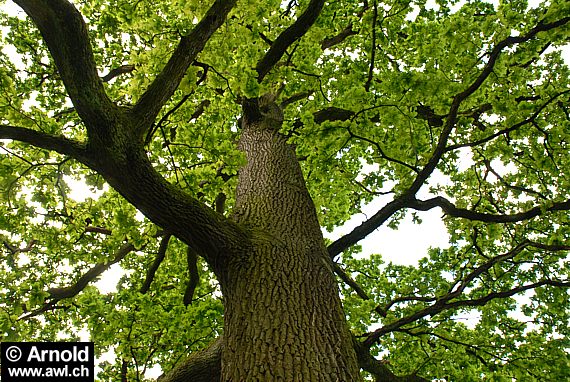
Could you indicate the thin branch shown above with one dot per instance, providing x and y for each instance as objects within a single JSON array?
[
  {"x": 124, "y": 370},
  {"x": 329, "y": 42},
  {"x": 155, "y": 126},
  {"x": 265, "y": 39},
  {"x": 510, "y": 186},
  {"x": 204, "y": 74},
  {"x": 317, "y": 76},
  {"x": 364, "y": 229},
  {"x": 451, "y": 210},
  {"x": 101, "y": 230},
  {"x": 115, "y": 72},
  {"x": 294, "y": 98},
  {"x": 459, "y": 98},
  {"x": 472, "y": 348},
  {"x": 398, "y": 300},
  {"x": 48, "y": 307},
  {"x": 509, "y": 129},
  {"x": 373, "y": 43},
  {"x": 294, "y": 32},
  {"x": 368, "y": 190},
  {"x": 15, "y": 250},
  {"x": 444, "y": 303},
  {"x": 56, "y": 294},
  {"x": 349, "y": 281},
  {"x": 497, "y": 50},
  {"x": 193, "y": 276},
  {"x": 381, "y": 151},
  {"x": 379, "y": 369},
  {"x": 151, "y": 272},
  {"x": 508, "y": 293}
]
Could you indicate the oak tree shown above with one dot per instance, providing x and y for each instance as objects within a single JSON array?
[{"x": 221, "y": 138}]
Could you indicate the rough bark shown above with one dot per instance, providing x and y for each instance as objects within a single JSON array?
[
  {"x": 283, "y": 316},
  {"x": 203, "y": 366}
]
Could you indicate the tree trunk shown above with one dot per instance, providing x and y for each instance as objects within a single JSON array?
[{"x": 283, "y": 316}]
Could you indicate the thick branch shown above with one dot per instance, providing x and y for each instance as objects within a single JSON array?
[
  {"x": 66, "y": 35},
  {"x": 379, "y": 369},
  {"x": 288, "y": 37},
  {"x": 210, "y": 234},
  {"x": 202, "y": 366},
  {"x": 459, "y": 98},
  {"x": 451, "y": 210},
  {"x": 331, "y": 114},
  {"x": 45, "y": 141},
  {"x": 164, "y": 85}
]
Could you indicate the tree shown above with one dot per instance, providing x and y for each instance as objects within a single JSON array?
[{"x": 220, "y": 137}]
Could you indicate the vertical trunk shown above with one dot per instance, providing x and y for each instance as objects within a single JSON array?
[{"x": 283, "y": 316}]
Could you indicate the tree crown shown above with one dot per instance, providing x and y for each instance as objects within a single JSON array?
[{"x": 458, "y": 107}]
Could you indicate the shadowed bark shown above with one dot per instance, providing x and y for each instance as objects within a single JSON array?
[{"x": 202, "y": 366}]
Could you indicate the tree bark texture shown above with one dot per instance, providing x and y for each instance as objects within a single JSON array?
[
  {"x": 283, "y": 315},
  {"x": 202, "y": 366}
]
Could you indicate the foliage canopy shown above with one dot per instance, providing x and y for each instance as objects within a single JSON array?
[{"x": 458, "y": 106}]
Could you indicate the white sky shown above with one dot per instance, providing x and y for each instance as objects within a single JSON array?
[{"x": 405, "y": 245}]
